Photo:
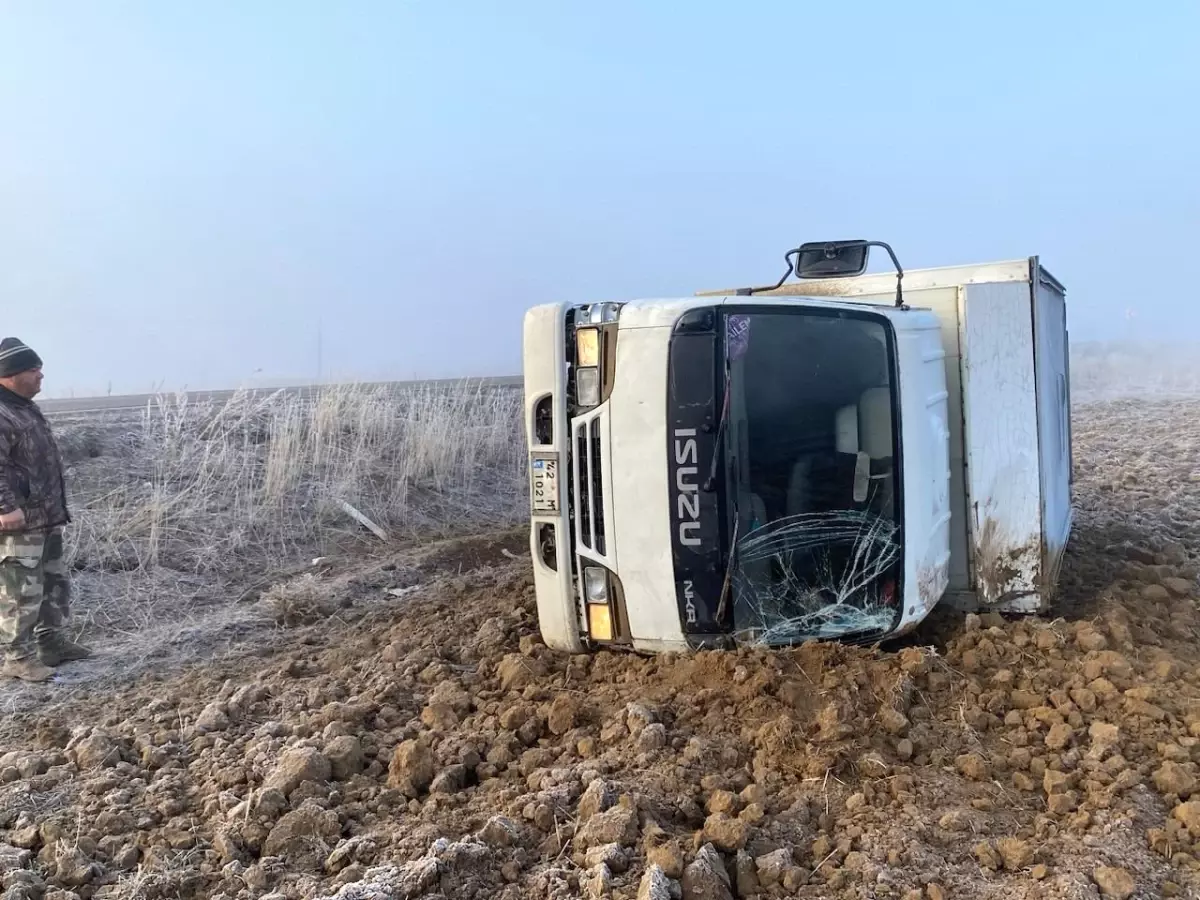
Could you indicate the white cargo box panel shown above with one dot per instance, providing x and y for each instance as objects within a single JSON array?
[{"x": 1005, "y": 336}]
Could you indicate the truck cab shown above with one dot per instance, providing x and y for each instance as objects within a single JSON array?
[{"x": 742, "y": 467}]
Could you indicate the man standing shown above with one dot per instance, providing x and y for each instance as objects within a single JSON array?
[{"x": 35, "y": 590}]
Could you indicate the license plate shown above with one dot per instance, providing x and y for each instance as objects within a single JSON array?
[{"x": 544, "y": 491}]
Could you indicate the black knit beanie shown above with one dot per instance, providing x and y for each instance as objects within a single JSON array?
[{"x": 16, "y": 358}]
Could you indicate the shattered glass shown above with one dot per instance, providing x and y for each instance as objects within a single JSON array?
[{"x": 815, "y": 576}]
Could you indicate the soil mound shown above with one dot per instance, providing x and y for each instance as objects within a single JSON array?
[{"x": 433, "y": 747}]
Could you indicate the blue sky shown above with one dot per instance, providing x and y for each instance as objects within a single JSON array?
[{"x": 190, "y": 191}]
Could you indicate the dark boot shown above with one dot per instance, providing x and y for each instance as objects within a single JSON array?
[{"x": 54, "y": 650}]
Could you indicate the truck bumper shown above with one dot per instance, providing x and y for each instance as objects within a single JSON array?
[{"x": 545, "y": 370}]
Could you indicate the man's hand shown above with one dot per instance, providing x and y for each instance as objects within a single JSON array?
[{"x": 13, "y": 521}]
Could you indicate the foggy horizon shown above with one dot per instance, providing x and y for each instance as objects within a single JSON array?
[{"x": 201, "y": 198}]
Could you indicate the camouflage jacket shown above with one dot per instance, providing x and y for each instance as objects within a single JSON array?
[{"x": 31, "y": 469}]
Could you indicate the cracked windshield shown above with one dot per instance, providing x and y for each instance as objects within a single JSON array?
[{"x": 810, "y": 454}]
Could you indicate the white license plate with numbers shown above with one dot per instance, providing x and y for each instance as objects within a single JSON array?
[{"x": 544, "y": 469}]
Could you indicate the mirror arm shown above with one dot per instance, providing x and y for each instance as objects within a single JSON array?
[
  {"x": 899, "y": 271},
  {"x": 791, "y": 267}
]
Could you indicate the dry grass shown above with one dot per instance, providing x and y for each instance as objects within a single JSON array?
[
  {"x": 258, "y": 479},
  {"x": 301, "y": 601},
  {"x": 185, "y": 510}
]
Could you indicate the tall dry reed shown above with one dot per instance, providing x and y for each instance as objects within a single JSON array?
[{"x": 261, "y": 477}]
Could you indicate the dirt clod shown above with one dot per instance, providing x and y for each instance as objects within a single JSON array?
[
  {"x": 726, "y": 833},
  {"x": 96, "y": 751},
  {"x": 705, "y": 877},
  {"x": 974, "y": 767},
  {"x": 412, "y": 768},
  {"x": 668, "y": 856},
  {"x": 346, "y": 757},
  {"x": 772, "y": 866},
  {"x": 618, "y": 825},
  {"x": 563, "y": 714},
  {"x": 599, "y": 796},
  {"x": 303, "y": 837},
  {"x": 655, "y": 885},
  {"x": 1114, "y": 882},
  {"x": 296, "y": 766},
  {"x": 612, "y": 856},
  {"x": 1174, "y": 778},
  {"x": 1015, "y": 854}
]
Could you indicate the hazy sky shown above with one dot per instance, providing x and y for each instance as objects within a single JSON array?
[{"x": 189, "y": 191}]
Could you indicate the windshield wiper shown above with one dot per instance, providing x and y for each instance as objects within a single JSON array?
[
  {"x": 726, "y": 583},
  {"x": 711, "y": 481}
]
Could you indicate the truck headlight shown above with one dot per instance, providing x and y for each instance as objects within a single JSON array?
[
  {"x": 587, "y": 386},
  {"x": 599, "y": 610},
  {"x": 592, "y": 352},
  {"x": 587, "y": 347},
  {"x": 595, "y": 584},
  {"x": 604, "y": 605}
]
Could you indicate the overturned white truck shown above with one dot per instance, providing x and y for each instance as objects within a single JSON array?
[{"x": 821, "y": 459}]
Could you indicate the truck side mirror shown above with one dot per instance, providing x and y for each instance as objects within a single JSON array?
[{"x": 832, "y": 259}]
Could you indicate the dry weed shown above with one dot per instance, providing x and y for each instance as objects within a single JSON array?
[
  {"x": 180, "y": 508},
  {"x": 301, "y": 601},
  {"x": 258, "y": 479}
]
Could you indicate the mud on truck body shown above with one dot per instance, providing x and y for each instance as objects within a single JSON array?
[{"x": 823, "y": 459}]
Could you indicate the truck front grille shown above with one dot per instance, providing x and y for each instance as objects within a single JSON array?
[{"x": 588, "y": 485}]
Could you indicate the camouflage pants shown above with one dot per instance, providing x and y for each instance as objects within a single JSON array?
[{"x": 35, "y": 589}]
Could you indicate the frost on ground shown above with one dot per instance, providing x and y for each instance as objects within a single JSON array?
[{"x": 387, "y": 724}]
